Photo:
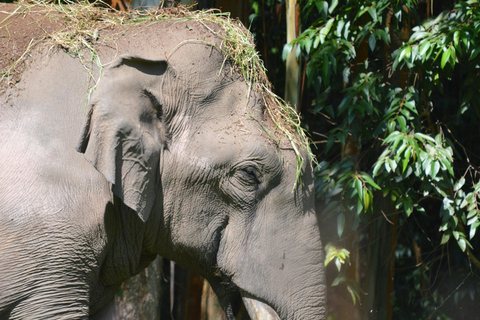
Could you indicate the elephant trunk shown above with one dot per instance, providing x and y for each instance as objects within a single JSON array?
[
  {"x": 300, "y": 276},
  {"x": 292, "y": 283}
]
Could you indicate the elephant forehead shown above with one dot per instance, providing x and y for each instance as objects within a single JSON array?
[{"x": 224, "y": 142}]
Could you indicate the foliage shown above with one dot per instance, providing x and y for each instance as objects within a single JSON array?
[{"x": 395, "y": 93}]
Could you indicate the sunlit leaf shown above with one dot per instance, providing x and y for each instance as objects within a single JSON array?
[
  {"x": 462, "y": 243},
  {"x": 435, "y": 168},
  {"x": 422, "y": 137},
  {"x": 456, "y": 38},
  {"x": 377, "y": 167},
  {"x": 445, "y": 57},
  {"x": 473, "y": 229},
  {"x": 338, "y": 31},
  {"x": 333, "y": 5},
  {"x": 459, "y": 184},
  {"x": 393, "y": 164},
  {"x": 286, "y": 50},
  {"x": 326, "y": 29},
  {"x": 402, "y": 123}
]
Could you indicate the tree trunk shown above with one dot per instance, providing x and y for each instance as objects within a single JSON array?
[
  {"x": 140, "y": 296},
  {"x": 377, "y": 304},
  {"x": 292, "y": 76}
]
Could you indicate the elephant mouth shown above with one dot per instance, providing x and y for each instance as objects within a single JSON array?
[{"x": 258, "y": 310}]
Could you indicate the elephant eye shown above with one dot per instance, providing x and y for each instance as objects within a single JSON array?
[{"x": 250, "y": 174}]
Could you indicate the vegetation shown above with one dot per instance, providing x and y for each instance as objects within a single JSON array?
[{"x": 393, "y": 106}]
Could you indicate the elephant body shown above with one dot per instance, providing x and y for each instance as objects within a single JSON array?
[{"x": 169, "y": 156}]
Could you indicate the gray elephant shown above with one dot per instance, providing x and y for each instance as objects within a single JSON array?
[{"x": 176, "y": 154}]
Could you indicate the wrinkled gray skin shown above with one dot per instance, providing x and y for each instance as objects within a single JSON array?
[{"x": 172, "y": 160}]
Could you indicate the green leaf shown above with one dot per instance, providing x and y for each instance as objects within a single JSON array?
[
  {"x": 353, "y": 293},
  {"x": 338, "y": 264},
  {"x": 406, "y": 159},
  {"x": 396, "y": 62},
  {"x": 402, "y": 123},
  {"x": 423, "y": 50},
  {"x": 340, "y": 224},
  {"x": 456, "y": 235},
  {"x": 402, "y": 53},
  {"x": 453, "y": 56},
  {"x": 439, "y": 139},
  {"x": 474, "y": 53},
  {"x": 333, "y": 5},
  {"x": 367, "y": 199},
  {"x": 339, "y": 280},
  {"x": 316, "y": 42},
  {"x": 473, "y": 229},
  {"x": 472, "y": 220},
  {"x": 359, "y": 206},
  {"x": 308, "y": 44},
  {"x": 387, "y": 165},
  {"x": 372, "y": 41},
  {"x": 286, "y": 50},
  {"x": 370, "y": 181},
  {"x": 418, "y": 36},
  {"x": 445, "y": 238},
  {"x": 472, "y": 213},
  {"x": 346, "y": 32},
  {"x": 410, "y": 105},
  {"x": 445, "y": 57},
  {"x": 340, "y": 25},
  {"x": 321, "y": 7},
  {"x": 462, "y": 243},
  {"x": 435, "y": 168},
  {"x": 459, "y": 184},
  {"x": 407, "y": 206},
  {"x": 377, "y": 167},
  {"x": 391, "y": 126},
  {"x": 420, "y": 136},
  {"x": 383, "y": 34},
  {"x": 448, "y": 165},
  {"x": 373, "y": 13},
  {"x": 394, "y": 137},
  {"x": 359, "y": 188},
  {"x": 392, "y": 164},
  {"x": 456, "y": 38},
  {"x": 326, "y": 29},
  {"x": 408, "y": 53}
]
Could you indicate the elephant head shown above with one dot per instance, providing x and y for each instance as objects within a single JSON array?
[{"x": 194, "y": 151}]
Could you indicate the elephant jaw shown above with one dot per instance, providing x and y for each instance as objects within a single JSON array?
[{"x": 258, "y": 310}]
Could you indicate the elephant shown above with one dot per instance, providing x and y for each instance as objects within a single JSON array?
[{"x": 148, "y": 139}]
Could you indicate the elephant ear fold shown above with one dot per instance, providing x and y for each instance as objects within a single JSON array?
[{"x": 124, "y": 132}]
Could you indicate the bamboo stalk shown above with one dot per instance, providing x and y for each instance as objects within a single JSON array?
[{"x": 292, "y": 75}]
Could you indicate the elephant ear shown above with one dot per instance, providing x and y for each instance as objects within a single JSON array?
[{"x": 124, "y": 132}]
